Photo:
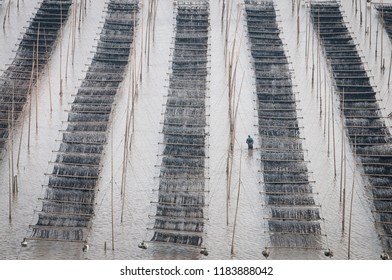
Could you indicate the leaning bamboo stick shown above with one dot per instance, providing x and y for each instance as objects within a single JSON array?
[
  {"x": 351, "y": 207},
  {"x": 366, "y": 16},
  {"x": 12, "y": 138},
  {"x": 141, "y": 41},
  {"x": 333, "y": 129},
  {"x": 68, "y": 47},
  {"x": 20, "y": 143},
  {"x": 237, "y": 206},
  {"x": 112, "y": 182},
  {"x": 61, "y": 49},
  {"x": 325, "y": 100},
  {"x": 9, "y": 188},
  {"x": 73, "y": 27},
  {"x": 47, "y": 59},
  {"x": 341, "y": 164},
  {"x": 344, "y": 190},
  {"x": 29, "y": 91},
  {"x": 390, "y": 66},
  {"x": 37, "y": 82},
  {"x": 382, "y": 36},
  {"x": 370, "y": 26},
  {"x": 298, "y": 25}
]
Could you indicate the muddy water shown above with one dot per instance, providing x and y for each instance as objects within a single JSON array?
[{"x": 251, "y": 232}]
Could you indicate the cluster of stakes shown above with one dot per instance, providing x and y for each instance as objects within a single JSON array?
[
  {"x": 179, "y": 214},
  {"x": 33, "y": 53},
  {"x": 366, "y": 130},
  {"x": 293, "y": 216},
  {"x": 68, "y": 202}
]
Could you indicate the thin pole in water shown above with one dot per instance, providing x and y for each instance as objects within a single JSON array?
[
  {"x": 238, "y": 201},
  {"x": 344, "y": 191},
  {"x": 112, "y": 182},
  {"x": 390, "y": 65},
  {"x": 37, "y": 82},
  {"x": 370, "y": 26},
  {"x": 351, "y": 205},
  {"x": 61, "y": 49},
  {"x": 342, "y": 154},
  {"x": 69, "y": 45},
  {"x": 20, "y": 142},
  {"x": 29, "y": 91},
  {"x": 366, "y": 8},
  {"x": 47, "y": 59},
  {"x": 333, "y": 129},
  {"x": 382, "y": 37}
]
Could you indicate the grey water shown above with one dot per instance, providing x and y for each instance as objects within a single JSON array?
[{"x": 252, "y": 234}]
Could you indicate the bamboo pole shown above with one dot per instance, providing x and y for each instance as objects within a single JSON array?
[
  {"x": 329, "y": 122},
  {"x": 306, "y": 37},
  {"x": 154, "y": 21},
  {"x": 351, "y": 206},
  {"x": 73, "y": 27},
  {"x": 7, "y": 13},
  {"x": 20, "y": 142},
  {"x": 377, "y": 40},
  {"x": 141, "y": 41},
  {"x": 313, "y": 54},
  {"x": 80, "y": 13},
  {"x": 389, "y": 74},
  {"x": 37, "y": 82},
  {"x": 12, "y": 137},
  {"x": 61, "y": 49},
  {"x": 344, "y": 191},
  {"x": 333, "y": 129},
  {"x": 29, "y": 91},
  {"x": 112, "y": 182},
  {"x": 342, "y": 154},
  {"x": 370, "y": 26},
  {"x": 238, "y": 202},
  {"x": 9, "y": 185},
  {"x": 223, "y": 12},
  {"x": 47, "y": 59},
  {"x": 366, "y": 16},
  {"x": 298, "y": 25},
  {"x": 69, "y": 45},
  {"x": 325, "y": 103},
  {"x": 382, "y": 37},
  {"x": 318, "y": 62}
]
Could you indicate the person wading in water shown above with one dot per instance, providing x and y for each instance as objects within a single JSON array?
[{"x": 249, "y": 141}]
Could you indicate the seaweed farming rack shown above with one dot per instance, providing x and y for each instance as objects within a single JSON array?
[
  {"x": 385, "y": 14},
  {"x": 292, "y": 215},
  {"x": 368, "y": 135},
  {"x": 68, "y": 203},
  {"x": 32, "y": 55},
  {"x": 180, "y": 215}
]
